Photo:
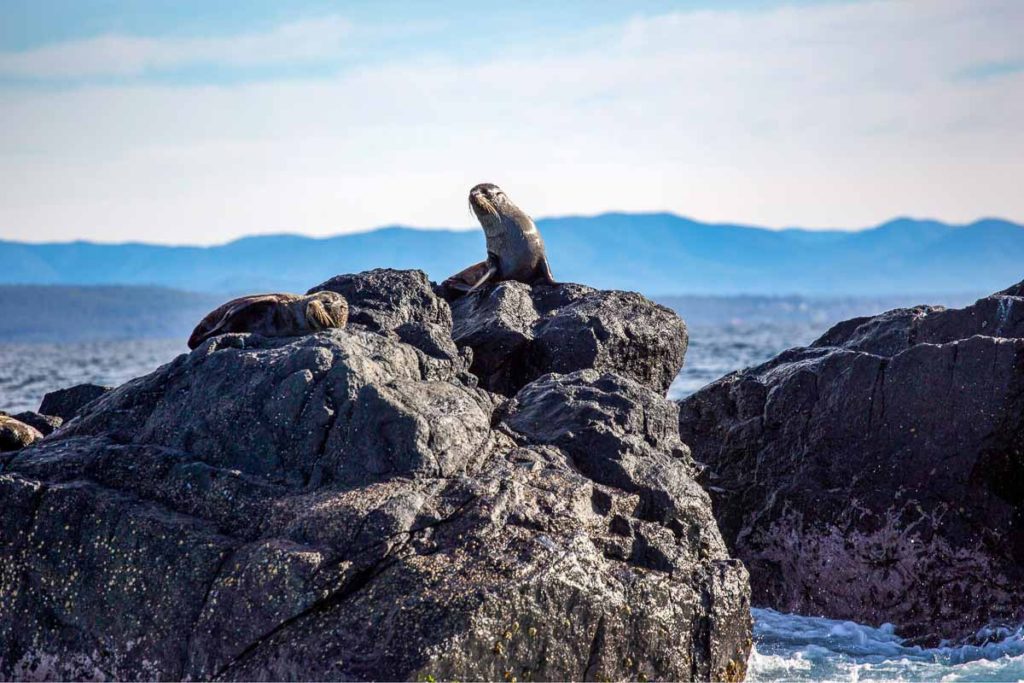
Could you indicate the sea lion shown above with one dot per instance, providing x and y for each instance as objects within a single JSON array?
[
  {"x": 515, "y": 250},
  {"x": 15, "y": 434},
  {"x": 273, "y": 315}
]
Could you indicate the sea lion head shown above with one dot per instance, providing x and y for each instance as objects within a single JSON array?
[
  {"x": 495, "y": 210},
  {"x": 326, "y": 309}
]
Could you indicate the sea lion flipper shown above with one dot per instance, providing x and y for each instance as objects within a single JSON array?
[
  {"x": 463, "y": 280},
  {"x": 208, "y": 326},
  {"x": 222, "y": 319},
  {"x": 491, "y": 270},
  {"x": 545, "y": 276}
]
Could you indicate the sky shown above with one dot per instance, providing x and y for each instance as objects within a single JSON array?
[{"x": 196, "y": 122}]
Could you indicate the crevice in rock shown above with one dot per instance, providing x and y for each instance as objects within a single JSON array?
[
  {"x": 877, "y": 402},
  {"x": 321, "y": 449},
  {"x": 594, "y": 656},
  {"x": 410, "y": 532},
  {"x": 356, "y": 583},
  {"x": 225, "y": 559}
]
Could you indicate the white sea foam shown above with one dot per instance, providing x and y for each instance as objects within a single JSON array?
[{"x": 796, "y": 648}]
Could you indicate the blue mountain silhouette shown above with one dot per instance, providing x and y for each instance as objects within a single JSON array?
[{"x": 659, "y": 254}]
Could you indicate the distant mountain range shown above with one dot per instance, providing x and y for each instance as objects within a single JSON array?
[{"x": 659, "y": 254}]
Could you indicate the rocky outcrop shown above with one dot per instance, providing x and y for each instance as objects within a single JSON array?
[
  {"x": 66, "y": 403},
  {"x": 878, "y": 475},
  {"x": 518, "y": 333},
  {"x": 386, "y": 299},
  {"x": 351, "y": 505},
  {"x": 15, "y": 434}
]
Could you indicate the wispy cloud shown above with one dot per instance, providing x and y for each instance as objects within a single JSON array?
[
  {"x": 831, "y": 115},
  {"x": 309, "y": 41}
]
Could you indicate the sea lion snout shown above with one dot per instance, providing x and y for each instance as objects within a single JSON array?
[
  {"x": 485, "y": 200},
  {"x": 326, "y": 309}
]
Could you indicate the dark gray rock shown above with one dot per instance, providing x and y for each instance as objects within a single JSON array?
[
  {"x": 877, "y": 474},
  {"x": 1014, "y": 290},
  {"x": 66, "y": 403},
  {"x": 15, "y": 434},
  {"x": 402, "y": 305},
  {"x": 46, "y": 424},
  {"x": 621, "y": 434},
  {"x": 349, "y": 505},
  {"x": 519, "y": 333},
  {"x": 385, "y": 299}
]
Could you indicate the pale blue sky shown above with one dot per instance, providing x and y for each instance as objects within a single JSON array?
[{"x": 198, "y": 122}]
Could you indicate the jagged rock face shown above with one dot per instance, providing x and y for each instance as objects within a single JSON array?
[
  {"x": 519, "y": 333},
  {"x": 15, "y": 434},
  {"x": 400, "y": 304},
  {"x": 349, "y": 505},
  {"x": 66, "y": 403},
  {"x": 878, "y": 475}
]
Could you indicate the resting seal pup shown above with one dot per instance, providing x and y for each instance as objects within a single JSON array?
[
  {"x": 273, "y": 315},
  {"x": 515, "y": 250}
]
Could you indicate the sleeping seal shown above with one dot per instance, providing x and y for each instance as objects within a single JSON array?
[
  {"x": 515, "y": 250},
  {"x": 273, "y": 315}
]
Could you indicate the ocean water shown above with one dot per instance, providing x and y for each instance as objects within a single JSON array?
[
  {"x": 28, "y": 371},
  {"x": 717, "y": 350},
  {"x": 786, "y": 647}
]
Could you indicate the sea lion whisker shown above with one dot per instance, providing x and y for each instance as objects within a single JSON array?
[{"x": 318, "y": 316}]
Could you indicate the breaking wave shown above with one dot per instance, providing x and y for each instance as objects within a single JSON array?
[{"x": 797, "y": 648}]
